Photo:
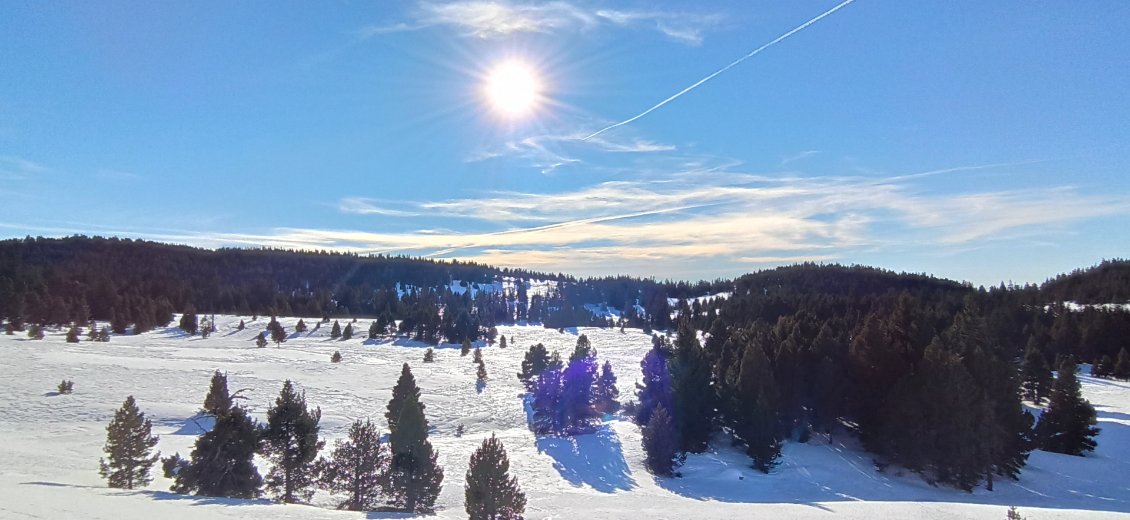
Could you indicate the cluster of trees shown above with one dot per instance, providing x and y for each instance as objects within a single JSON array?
[{"x": 568, "y": 398}]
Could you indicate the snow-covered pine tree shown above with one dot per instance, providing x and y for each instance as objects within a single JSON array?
[
  {"x": 218, "y": 401},
  {"x": 1068, "y": 424},
  {"x": 405, "y": 388},
  {"x": 490, "y": 493},
  {"x": 416, "y": 477},
  {"x": 291, "y": 441},
  {"x": 357, "y": 468},
  {"x": 222, "y": 463},
  {"x": 660, "y": 443},
  {"x": 129, "y": 445}
]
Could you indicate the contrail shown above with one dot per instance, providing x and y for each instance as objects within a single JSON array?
[{"x": 719, "y": 71}]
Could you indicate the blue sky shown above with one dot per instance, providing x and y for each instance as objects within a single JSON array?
[{"x": 981, "y": 141}]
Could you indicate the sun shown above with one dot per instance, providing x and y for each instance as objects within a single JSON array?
[{"x": 513, "y": 89}]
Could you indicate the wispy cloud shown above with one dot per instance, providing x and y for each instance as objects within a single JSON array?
[
  {"x": 17, "y": 168},
  {"x": 489, "y": 19}
]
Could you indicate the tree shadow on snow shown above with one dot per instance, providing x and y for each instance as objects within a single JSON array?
[
  {"x": 198, "y": 500},
  {"x": 595, "y": 459},
  {"x": 196, "y": 425}
]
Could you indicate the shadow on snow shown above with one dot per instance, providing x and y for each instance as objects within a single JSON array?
[{"x": 595, "y": 459}]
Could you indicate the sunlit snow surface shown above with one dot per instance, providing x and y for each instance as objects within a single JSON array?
[{"x": 50, "y": 444}]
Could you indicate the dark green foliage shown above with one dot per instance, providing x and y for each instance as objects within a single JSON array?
[
  {"x": 656, "y": 388},
  {"x": 1036, "y": 375},
  {"x": 189, "y": 323},
  {"x": 415, "y": 476},
  {"x": 537, "y": 358},
  {"x": 465, "y": 348},
  {"x": 481, "y": 373},
  {"x": 222, "y": 463},
  {"x": 218, "y": 401},
  {"x": 336, "y": 357},
  {"x": 358, "y": 468},
  {"x": 261, "y": 339},
  {"x": 693, "y": 394},
  {"x": 103, "y": 335},
  {"x": 1122, "y": 365},
  {"x": 335, "y": 332},
  {"x": 35, "y": 331},
  {"x": 374, "y": 330},
  {"x": 755, "y": 408},
  {"x": 583, "y": 349},
  {"x": 278, "y": 333},
  {"x": 298, "y": 327},
  {"x": 129, "y": 445},
  {"x": 606, "y": 397},
  {"x": 661, "y": 443},
  {"x": 490, "y": 493},
  {"x": 73, "y": 334},
  {"x": 502, "y": 342},
  {"x": 477, "y": 357},
  {"x": 66, "y": 387},
  {"x": 1068, "y": 424},
  {"x": 404, "y": 390},
  {"x": 291, "y": 441},
  {"x": 243, "y": 325},
  {"x": 429, "y": 355},
  {"x": 1104, "y": 367},
  {"x": 347, "y": 333}
]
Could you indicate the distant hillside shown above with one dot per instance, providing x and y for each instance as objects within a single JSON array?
[{"x": 1108, "y": 282}]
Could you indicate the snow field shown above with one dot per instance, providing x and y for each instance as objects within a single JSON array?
[{"x": 50, "y": 444}]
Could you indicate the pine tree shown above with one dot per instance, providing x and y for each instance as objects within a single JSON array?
[
  {"x": 1036, "y": 376},
  {"x": 490, "y": 493},
  {"x": 261, "y": 339},
  {"x": 347, "y": 334},
  {"x": 502, "y": 341},
  {"x": 335, "y": 332},
  {"x": 218, "y": 401},
  {"x": 278, "y": 334},
  {"x": 477, "y": 357},
  {"x": 429, "y": 355},
  {"x": 1104, "y": 367},
  {"x": 374, "y": 330},
  {"x": 465, "y": 348},
  {"x": 405, "y": 389},
  {"x": 481, "y": 373},
  {"x": 189, "y": 323},
  {"x": 661, "y": 443},
  {"x": 336, "y": 357},
  {"x": 35, "y": 331},
  {"x": 656, "y": 388},
  {"x": 582, "y": 350},
  {"x": 416, "y": 477},
  {"x": 291, "y": 441},
  {"x": 241, "y": 326},
  {"x": 577, "y": 399},
  {"x": 693, "y": 395},
  {"x": 537, "y": 358},
  {"x": 73, "y": 334},
  {"x": 606, "y": 397},
  {"x": 357, "y": 468},
  {"x": 93, "y": 334},
  {"x": 1068, "y": 424},
  {"x": 103, "y": 335},
  {"x": 129, "y": 445},
  {"x": 222, "y": 463},
  {"x": 756, "y": 410},
  {"x": 1122, "y": 365}
]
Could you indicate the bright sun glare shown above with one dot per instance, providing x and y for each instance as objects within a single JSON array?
[{"x": 513, "y": 89}]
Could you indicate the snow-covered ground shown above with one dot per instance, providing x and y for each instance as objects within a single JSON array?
[{"x": 50, "y": 444}]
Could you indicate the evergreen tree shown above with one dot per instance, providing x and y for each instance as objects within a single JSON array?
[
  {"x": 490, "y": 493},
  {"x": 222, "y": 463},
  {"x": 347, "y": 334},
  {"x": 465, "y": 348},
  {"x": 218, "y": 401},
  {"x": 241, "y": 326},
  {"x": 416, "y": 477},
  {"x": 548, "y": 390},
  {"x": 129, "y": 445},
  {"x": 756, "y": 408},
  {"x": 693, "y": 394},
  {"x": 1068, "y": 424},
  {"x": 656, "y": 388},
  {"x": 537, "y": 358},
  {"x": 606, "y": 396},
  {"x": 93, "y": 334},
  {"x": 577, "y": 399},
  {"x": 477, "y": 357},
  {"x": 1122, "y": 365},
  {"x": 336, "y": 357},
  {"x": 1036, "y": 376},
  {"x": 335, "y": 332},
  {"x": 661, "y": 443},
  {"x": 291, "y": 441},
  {"x": 300, "y": 326},
  {"x": 73, "y": 334},
  {"x": 278, "y": 334},
  {"x": 404, "y": 390},
  {"x": 189, "y": 323},
  {"x": 583, "y": 349},
  {"x": 481, "y": 373},
  {"x": 357, "y": 468},
  {"x": 429, "y": 355},
  {"x": 103, "y": 335},
  {"x": 35, "y": 331},
  {"x": 261, "y": 339},
  {"x": 502, "y": 341},
  {"x": 374, "y": 330}
]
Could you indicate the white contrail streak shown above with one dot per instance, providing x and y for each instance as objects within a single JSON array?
[{"x": 719, "y": 71}]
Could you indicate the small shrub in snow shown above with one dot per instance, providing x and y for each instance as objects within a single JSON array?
[
  {"x": 429, "y": 355},
  {"x": 66, "y": 387},
  {"x": 336, "y": 358}
]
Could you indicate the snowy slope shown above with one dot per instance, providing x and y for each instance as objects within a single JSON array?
[{"x": 50, "y": 444}]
